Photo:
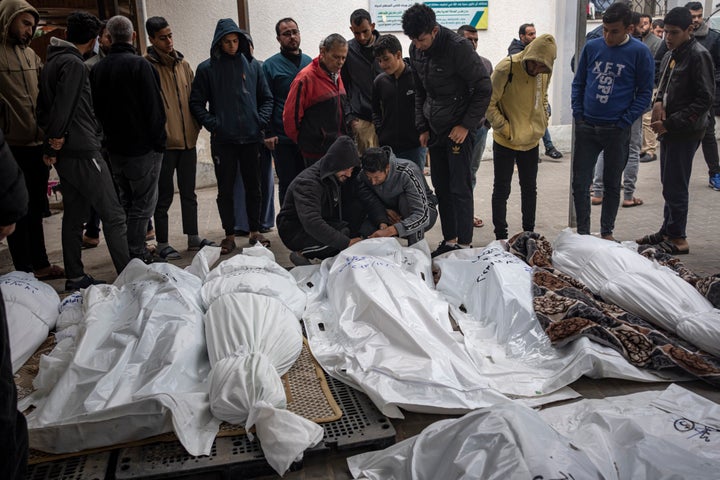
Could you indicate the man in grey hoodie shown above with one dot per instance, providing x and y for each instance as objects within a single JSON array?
[{"x": 398, "y": 199}]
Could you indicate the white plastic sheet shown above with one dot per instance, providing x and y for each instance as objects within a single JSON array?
[
  {"x": 373, "y": 322},
  {"x": 138, "y": 367},
  {"x": 32, "y": 309},
  {"x": 640, "y": 286}
]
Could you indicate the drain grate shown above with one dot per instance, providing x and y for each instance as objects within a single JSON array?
[{"x": 86, "y": 467}]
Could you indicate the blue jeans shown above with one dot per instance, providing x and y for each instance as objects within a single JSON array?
[
  {"x": 590, "y": 140},
  {"x": 630, "y": 172},
  {"x": 547, "y": 141},
  {"x": 416, "y": 155}
]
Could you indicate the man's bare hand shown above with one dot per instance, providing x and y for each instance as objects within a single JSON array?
[
  {"x": 390, "y": 231},
  {"x": 270, "y": 143},
  {"x": 393, "y": 216},
  {"x": 658, "y": 113},
  {"x": 56, "y": 143},
  {"x": 49, "y": 161},
  {"x": 658, "y": 127},
  {"x": 353, "y": 241},
  {"x": 6, "y": 231},
  {"x": 458, "y": 134},
  {"x": 424, "y": 137}
]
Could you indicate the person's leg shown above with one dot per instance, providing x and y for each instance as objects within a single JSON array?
[
  {"x": 598, "y": 187},
  {"x": 710, "y": 147},
  {"x": 92, "y": 226},
  {"x": 586, "y": 150},
  {"x": 461, "y": 188},
  {"x": 676, "y": 171},
  {"x": 241, "y": 217},
  {"x": 440, "y": 175},
  {"x": 633, "y": 164},
  {"x": 250, "y": 167},
  {"x": 288, "y": 163},
  {"x": 478, "y": 150},
  {"x": 186, "y": 173},
  {"x": 141, "y": 175},
  {"x": 267, "y": 184},
  {"x": 547, "y": 140},
  {"x": 76, "y": 210},
  {"x": 166, "y": 191},
  {"x": 649, "y": 145},
  {"x": 527, "y": 165},
  {"x": 503, "y": 166},
  {"x": 616, "y": 147},
  {"x": 225, "y": 160},
  {"x": 415, "y": 155}
]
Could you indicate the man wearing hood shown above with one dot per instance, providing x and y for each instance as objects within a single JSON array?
[
  {"x": 311, "y": 222},
  {"x": 358, "y": 74},
  {"x": 19, "y": 77},
  {"x": 127, "y": 100},
  {"x": 182, "y": 130},
  {"x": 72, "y": 135},
  {"x": 231, "y": 99},
  {"x": 518, "y": 116}
]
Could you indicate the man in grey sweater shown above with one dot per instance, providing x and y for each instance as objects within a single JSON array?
[{"x": 398, "y": 199}]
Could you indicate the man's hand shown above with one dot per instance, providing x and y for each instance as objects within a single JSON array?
[
  {"x": 56, "y": 143},
  {"x": 658, "y": 127},
  {"x": 49, "y": 161},
  {"x": 424, "y": 137},
  {"x": 658, "y": 113},
  {"x": 6, "y": 231},
  {"x": 390, "y": 231},
  {"x": 353, "y": 125},
  {"x": 393, "y": 216},
  {"x": 458, "y": 134},
  {"x": 353, "y": 241},
  {"x": 270, "y": 143}
]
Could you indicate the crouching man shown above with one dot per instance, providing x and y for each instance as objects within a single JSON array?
[
  {"x": 396, "y": 195},
  {"x": 310, "y": 222}
]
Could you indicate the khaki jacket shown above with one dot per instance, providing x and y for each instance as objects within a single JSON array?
[
  {"x": 518, "y": 110},
  {"x": 176, "y": 79},
  {"x": 19, "y": 79}
]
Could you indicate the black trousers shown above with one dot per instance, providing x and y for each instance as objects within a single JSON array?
[
  {"x": 710, "y": 147},
  {"x": 227, "y": 158},
  {"x": 27, "y": 244},
  {"x": 504, "y": 160},
  {"x": 185, "y": 163},
  {"x": 288, "y": 163},
  {"x": 676, "y": 159}
]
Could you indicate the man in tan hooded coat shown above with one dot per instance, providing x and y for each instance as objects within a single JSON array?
[
  {"x": 518, "y": 116},
  {"x": 19, "y": 76}
]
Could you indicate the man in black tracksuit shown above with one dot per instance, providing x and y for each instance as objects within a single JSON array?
[
  {"x": 453, "y": 93},
  {"x": 128, "y": 103},
  {"x": 65, "y": 112}
]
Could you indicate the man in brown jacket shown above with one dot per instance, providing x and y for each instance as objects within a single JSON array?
[
  {"x": 19, "y": 76},
  {"x": 176, "y": 78}
]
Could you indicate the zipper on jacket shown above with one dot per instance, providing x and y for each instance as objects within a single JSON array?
[{"x": 182, "y": 115}]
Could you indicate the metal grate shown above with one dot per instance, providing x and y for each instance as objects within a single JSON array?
[
  {"x": 656, "y": 8},
  {"x": 87, "y": 467}
]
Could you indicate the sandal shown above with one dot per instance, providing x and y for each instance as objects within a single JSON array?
[
  {"x": 652, "y": 239},
  {"x": 51, "y": 272},
  {"x": 669, "y": 247},
  {"x": 169, "y": 253},
  {"x": 477, "y": 222},
  {"x": 203, "y": 243},
  {"x": 596, "y": 200},
  {"x": 260, "y": 238},
  {"x": 227, "y": 246},
  {"x": 634, "y": 202},
  {"x": 89, "y": 242}
]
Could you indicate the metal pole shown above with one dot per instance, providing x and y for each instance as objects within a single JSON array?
[{"x": 579, "y": 44}]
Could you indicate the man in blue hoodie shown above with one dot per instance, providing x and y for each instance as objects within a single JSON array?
[
  {"x": 612, "y": 87},
  {"x": 231, "y": 99}
]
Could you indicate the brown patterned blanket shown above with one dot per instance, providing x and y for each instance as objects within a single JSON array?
[{"x": 567, "y": 310}]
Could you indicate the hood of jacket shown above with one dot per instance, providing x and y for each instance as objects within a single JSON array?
[
  {"x": 543, "y": 50},
  {"x": 59, "y": 46},
  {"x": 161, "y": 58},
  {"x": 703, "y": 30},
  {"x": 341, "y": 155},
  {"x": 223, "y": 27},
  {"x": 9, "y": 9}
]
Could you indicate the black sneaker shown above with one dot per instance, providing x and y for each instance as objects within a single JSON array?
[
  {"x": 445, "y": 248},
  {"x": 646, "y": 158},
  {"x": 553, "y": 153},
  {"x": 84, "y": 282},
  {"x": 298, "y": 259},
  {"x": 148, "y": 258}
]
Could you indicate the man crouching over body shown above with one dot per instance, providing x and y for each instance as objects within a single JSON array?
[{"x": 310, "y": 222}]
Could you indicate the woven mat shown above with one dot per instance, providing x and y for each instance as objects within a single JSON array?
[{"x": 307, "y": 391}]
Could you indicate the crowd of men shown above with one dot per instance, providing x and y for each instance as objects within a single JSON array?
[{"x": 350, "y": 132}]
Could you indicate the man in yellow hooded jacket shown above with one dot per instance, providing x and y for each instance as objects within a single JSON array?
[{"x": 518, "y": 116}]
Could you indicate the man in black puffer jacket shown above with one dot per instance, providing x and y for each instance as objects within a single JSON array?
[{"x": 453, "y": 92}]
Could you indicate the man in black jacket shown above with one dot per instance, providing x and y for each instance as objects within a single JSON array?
[
  {"x": 311, "y": 222},
  {"x": 66, "y": 116},
  {"x": 358, "y": 73},
  {"x": 679, "y": 117},
  {"x": 453, "y": 92},
  {"x": 128, "y": 103},
  {"x": 13, "y": 428}
]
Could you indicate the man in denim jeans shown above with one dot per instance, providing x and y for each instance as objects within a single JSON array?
[{"x": 611, "y": 89}]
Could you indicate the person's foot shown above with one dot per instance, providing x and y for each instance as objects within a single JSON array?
[
  {"x": 241, "y": 233},
  {"x": 147, "y": 258},
  {"x": 646, "y": 157},
  {"x": 477, "y": 222},
  {"x": 51, "y": 272},
  {"x": 651, "y": 239},
  {"x": 84, "y": 282},
  {"x": 298, "y": 259},
  {"x": 714, "y": 181},
  {"x": 227, "y": 245},
  {"x": 445, "y": 247},
  {"x": 265, "y": 229},
  {"x": 674, "y": 246},
  {"x": 596, "y": 200},
  {"x": 150, "y": 235},
  {"x": 609, "y": 237},
  {"x": 553, "y": 152},
  {"x": 633, "y": 202},
  {"x": 89, "y": 242},
  {"x": 169, "y": 253},
  {"x": 257, "y": 237}
]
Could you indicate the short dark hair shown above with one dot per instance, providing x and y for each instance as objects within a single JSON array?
[
  {"x": 523, "y": 28},
  {"x": 357, "y": 17},
  {"x": 375, "y": 159},
  {"x": 417, "y": 20},
  {"x": 332, "y": 40},
  {"x": 82, "y": 27},
  {"x": 658, "y": 23},
  {"x": 154, "y": 25},
  {"x": 646, "y": 15},
  {"x": 387, "y": 43},
  {"x": 679, "y": 17},
  {"x": 284, "y": 20},
  {"x": 466, "y": 28},
  {"x": 694, "y": 6},
  {"x": 635, "y": 18},
  {"x": 618, "y": 12}
]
